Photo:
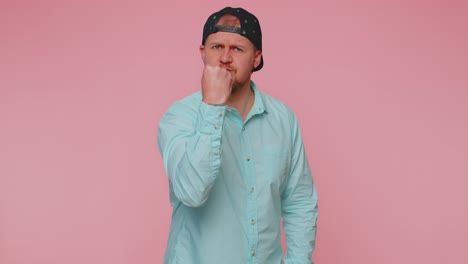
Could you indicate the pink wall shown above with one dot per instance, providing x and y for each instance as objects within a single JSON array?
[{"x": 380, "y": 88}]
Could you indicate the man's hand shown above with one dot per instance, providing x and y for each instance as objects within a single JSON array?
[{"x": 216, "y": 84}]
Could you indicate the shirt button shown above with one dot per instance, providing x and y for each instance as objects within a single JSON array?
[
  {"x": 216, "y": 126},
  {"x": 252, "y": 253},
  {"x": 247, "y": 158},
  {"x": 216, "y": 152},
  {"x": 252, "y": 221},
  {"x": 220, "y": 113},
  {"x": 251, "y": 189},
  {"x": 243, "y": 128}
]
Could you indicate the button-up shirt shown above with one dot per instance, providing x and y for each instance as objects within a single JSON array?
[{"x": 231, "y": 181}]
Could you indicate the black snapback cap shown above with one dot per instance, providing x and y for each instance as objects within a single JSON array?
[{"x": 250, "y": 27}]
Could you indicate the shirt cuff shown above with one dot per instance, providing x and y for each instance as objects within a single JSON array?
[{"x": 210, "y": 118}]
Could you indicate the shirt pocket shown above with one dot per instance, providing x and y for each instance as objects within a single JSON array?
[{"x": 276, "y": 166}]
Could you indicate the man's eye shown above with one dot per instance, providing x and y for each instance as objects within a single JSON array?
[
  {"x": 216, "y": 47},
  {"x": 237, "y": 49}
]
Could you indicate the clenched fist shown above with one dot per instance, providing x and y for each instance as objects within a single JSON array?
[{"x": 216, "y": 84}]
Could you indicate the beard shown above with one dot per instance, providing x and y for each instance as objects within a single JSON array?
[{"x": 237, "y": 86}]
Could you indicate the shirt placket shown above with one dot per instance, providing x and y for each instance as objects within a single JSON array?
[{"x": 251, "y": 193}]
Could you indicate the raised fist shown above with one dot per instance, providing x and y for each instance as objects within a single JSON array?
[{"x": 216, "y": 84}]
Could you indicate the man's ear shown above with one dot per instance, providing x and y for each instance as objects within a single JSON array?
[
  {"x": 202, "y": 52},
  {"x": 258, "y": 58}
]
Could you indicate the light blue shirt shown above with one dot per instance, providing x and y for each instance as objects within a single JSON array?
[{"x": 231, "y": 182}]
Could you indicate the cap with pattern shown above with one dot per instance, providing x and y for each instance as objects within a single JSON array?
[{"x": 249, "y": 27}]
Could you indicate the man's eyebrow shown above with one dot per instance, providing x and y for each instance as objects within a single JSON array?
[
  {"x": 219, "y": 42},
  {"x": 237, "y": 46},
  {"x": 213, "y": 43}
]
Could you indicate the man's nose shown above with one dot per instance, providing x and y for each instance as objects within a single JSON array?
[{"x": 226, "y": 56}]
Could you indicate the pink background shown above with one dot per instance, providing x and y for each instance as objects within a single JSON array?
[{"x": 380, "y": 89}]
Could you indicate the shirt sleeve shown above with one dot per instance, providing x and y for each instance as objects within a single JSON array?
[
  {"x": 299, "y": 205},
  {"x": 189, "y": 141}
]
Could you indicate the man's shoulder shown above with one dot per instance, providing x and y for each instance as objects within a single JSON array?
[
  {"x": 276, "y": 107},
  {"x": 192, "y": 100},
  {"x": 188, "y": 103},
  {"x": 273, "y": 102}
]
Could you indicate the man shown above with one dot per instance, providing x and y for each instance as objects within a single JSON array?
[{"x": 235, "y": 160}]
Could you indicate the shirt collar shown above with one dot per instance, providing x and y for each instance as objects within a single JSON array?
[{"x": 259, "y": 105}]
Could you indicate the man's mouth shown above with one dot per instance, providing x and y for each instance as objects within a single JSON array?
[{"x": 227, "y": 68}]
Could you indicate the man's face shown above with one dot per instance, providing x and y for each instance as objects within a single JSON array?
[{"x": 233, "y": 52}]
